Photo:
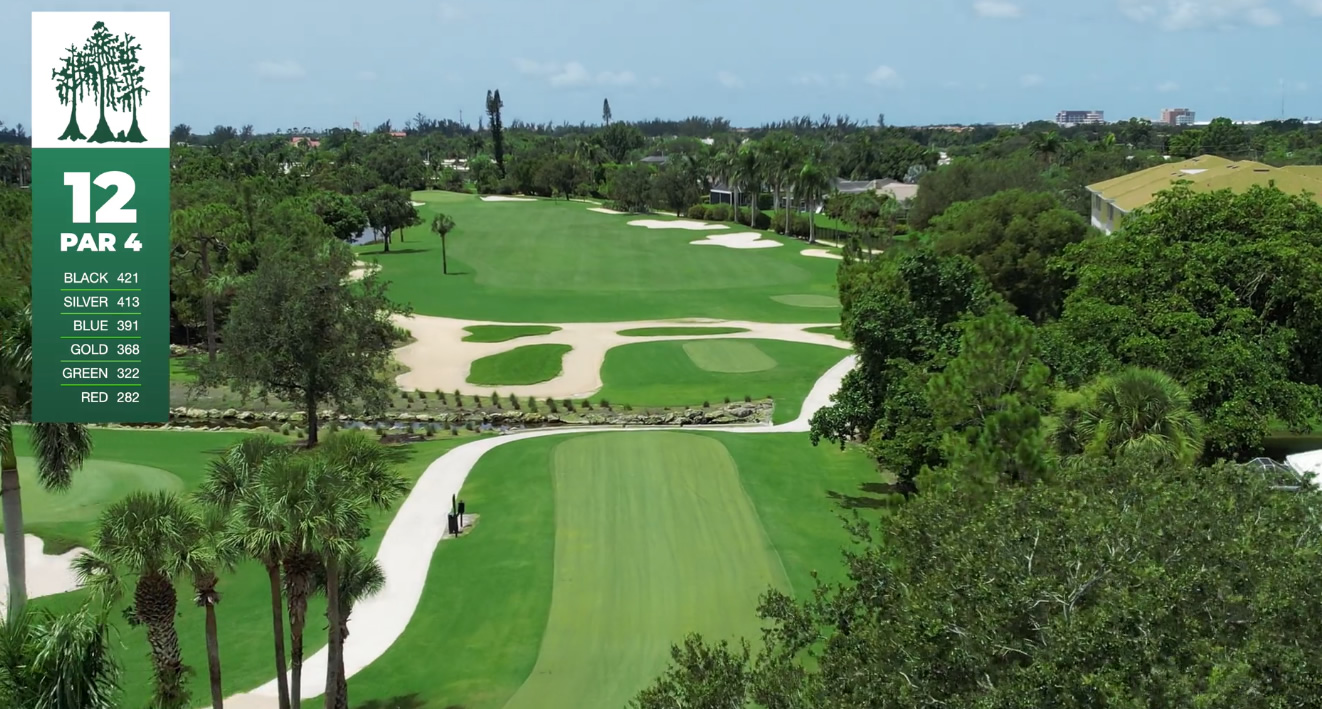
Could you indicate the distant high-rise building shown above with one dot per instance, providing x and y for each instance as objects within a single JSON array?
[
  {"x": 1079, "y": 118},
  {"x": 1177, "y": 116}
]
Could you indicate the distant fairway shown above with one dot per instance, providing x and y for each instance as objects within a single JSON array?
[
  {"x": 96, "y": 484},
  {"x": 694, "y": 330},
  {"x": 556, "y": 261},
  {"x": 654, "y": 538}
]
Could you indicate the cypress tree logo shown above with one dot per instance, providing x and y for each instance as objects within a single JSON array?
[{"x": 105, "y": 71}]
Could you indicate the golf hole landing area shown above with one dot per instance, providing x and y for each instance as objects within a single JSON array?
[
  {"x": 655, "y": 538},
  {"x": 728, "y": 356}
]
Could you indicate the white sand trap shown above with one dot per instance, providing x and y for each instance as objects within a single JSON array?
[
  {"x": 742, "y": 240},
  {"x": 405, "y": 554},
  {"x": 417, "y": 204},
  {"x": 580, "y": 376},
  {"x": 603, "y": 210},
  {"x": 676, "y": 224},
  {"x": 503, "y": 198},
  {"x": 47, "y": 574},
  {"x": 821, "y": 253},
  {"x": 361, "y": 269}
]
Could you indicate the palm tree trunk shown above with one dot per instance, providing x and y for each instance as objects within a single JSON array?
[
  {"x": 208, "y": 303},
  {"x": 445, "y": 266},
  {"x": 335, "y": 643},
  {"x": 12, "y": 505},
  {"x": 812, "y": 222},
  {"x": 342, "y": 701},
  {"x": 213, "y": 658},
  {"x": 278, "y": 625}
]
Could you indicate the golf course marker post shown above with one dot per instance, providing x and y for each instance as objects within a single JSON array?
[{"x": 100, "y": 217}]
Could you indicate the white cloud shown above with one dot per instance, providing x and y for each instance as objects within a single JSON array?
[
  {"x": 1177, "y": 15},
  {"x": 285, "y": 70},
  {"x": 1168, "y": 86},
  {"x": 1030, "y": 80},
  {"x": 996, "y": 8},
  {"x": 808, "y": 78},
  {"x": 573, "y": 74},
  {"x": 885, "y": 76},
  {"x": 1312, "y": 7},
  {"x": 729, "y": 80},
  {"x": 449, "y": 12}
]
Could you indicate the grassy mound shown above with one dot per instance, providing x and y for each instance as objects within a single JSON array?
[
  {"x": 522, "y": 365},
  {"x": 505, "y": 333},
  {"x": 664, "y": 374},
  {"x": 668, "y": 331}
]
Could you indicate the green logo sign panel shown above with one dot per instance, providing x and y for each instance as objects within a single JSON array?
[{"x": 101, "y": 216}]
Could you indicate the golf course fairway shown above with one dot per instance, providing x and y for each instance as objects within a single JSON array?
[{"x": 655, "y": 538}]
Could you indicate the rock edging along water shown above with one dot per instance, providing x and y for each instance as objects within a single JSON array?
[
  {"x": 406, "y": 549},
  {"x": 742, "y": 412}
]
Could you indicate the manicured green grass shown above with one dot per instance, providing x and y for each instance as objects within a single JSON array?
[
  {"x": 244, "y": 612},
  {"x": 674, "y": 534},
  {"x": 833, "y": 330},
  {"x": 806, "y": 300},
  {"x": 729, "y": 356},
  {"x": 505, "y": 333},
  {"x": 555, "y": 261},
  {"x": 668, "y": 331},
  {"x": 498, "y": 592},
  {"x": 664, "y": 374},
  {"x": 529, "y": 364}
]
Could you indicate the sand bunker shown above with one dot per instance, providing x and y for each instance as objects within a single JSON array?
[
  {"x": 417, "y": 204},
  {"x": 581, "y": 367},
  {"x": 603, "y": 210},
  {"x": 47, "y": 574},
  {"x": 361, "y": 269},
  {"x": 742, "y": 240},
  {"x": 676, "y": 224},
  {"x": 503, "y": 198},
  {"x": 821, "y": 253}
]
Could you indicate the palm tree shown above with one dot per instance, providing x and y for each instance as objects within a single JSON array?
[
  {"x": 360, "y": 579},
  {"x": 150, "y": 537},
  {"x": 50, "y": 661},
  {"x": 212, "y": 552},
  {"x": 348, "y": 476},
  {"x": 812, "y": 183},
  {"x": 722, "y": 168},
  {"x": 1143, "y": 411},
  {"x": 442, "y": 224},
  {"x": 1046, "y": 145},
  {"x": 60, "y": 448},
  {"x": 748, "y": 173},
  {"x": 258, "y": 525}
]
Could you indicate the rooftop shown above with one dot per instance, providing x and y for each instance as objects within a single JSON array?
[{"x": 1207, "y": 173}]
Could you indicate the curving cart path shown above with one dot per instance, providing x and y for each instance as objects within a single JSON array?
[{"x": 406, "y": 550}]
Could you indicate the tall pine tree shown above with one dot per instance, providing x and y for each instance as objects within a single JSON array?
[
  {"x": 494, "y": 105},
  {"x": 606, "y": 111}
]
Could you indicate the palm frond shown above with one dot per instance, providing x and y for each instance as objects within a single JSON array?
[{"x": 60, "y": 450}]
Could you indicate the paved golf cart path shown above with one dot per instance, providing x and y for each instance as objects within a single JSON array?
[{"x": 406, "y": 550}]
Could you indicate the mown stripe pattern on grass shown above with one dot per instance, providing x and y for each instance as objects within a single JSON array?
[
  {"x": 655, "y": 538},
  {"x": 733, "y": 356}
]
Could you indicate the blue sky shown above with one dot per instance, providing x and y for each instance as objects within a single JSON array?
[{"x": 283, "y": 63}]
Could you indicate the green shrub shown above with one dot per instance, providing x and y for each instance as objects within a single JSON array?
[
  {"x": 727, "y": 399},
  {"x": 605, "y": 404},
  {"x": 514, "y": 402},
  {"x": 765, "y": 201},
  {"x": 454, "y": 430},
  {"x": 440, "y": 396},
  {"x": 468, "y": 425},
  {"x": 458, "y": 399},
  {"x": 719, "y": 212},
  {"x": 628, "y": 407},
  {"x": 532, "y": 404},
  {"x": 763, "y": 221},
  {"x": 569, "y": 405},
  {"x": 798, "y": 224},
  {"x": 550, "y": 405},
  {"x": 698, "y": 211},
  {"x": 285, "y": 429},
  {"x": 477, "y": 401},
  {"x": 422, "y": 395},
  {"x": 706, "y": 404},
  {"x": 748, "y": 399},
  {"x": 585, "y": 404},
  {"x": 495, "y": 399}
]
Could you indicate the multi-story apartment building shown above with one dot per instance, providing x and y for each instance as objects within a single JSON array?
[
  {"x": 1177, "y": 116},
  {"x": 1078, "y": 118}
]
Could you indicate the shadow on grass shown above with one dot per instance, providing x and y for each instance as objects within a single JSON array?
[
  {"x": 404, "y": 701},
  {"x": 879, "y": 495},
  {"x": 392, "y": 252}
]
